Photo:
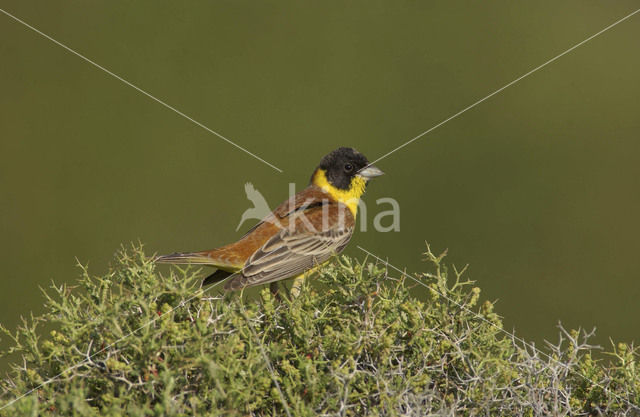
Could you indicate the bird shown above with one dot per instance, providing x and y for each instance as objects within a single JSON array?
[
  {"x": 260, "y": 207},
  {"x": 301, "y": 234}
]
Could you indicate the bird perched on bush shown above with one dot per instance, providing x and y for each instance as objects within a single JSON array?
[{"x": 300, "y": 234}]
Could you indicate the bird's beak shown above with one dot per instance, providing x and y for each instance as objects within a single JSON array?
[{"x": 370, "y": 171}]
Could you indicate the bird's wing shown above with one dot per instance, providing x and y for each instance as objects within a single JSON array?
[{"x": 294, "y": 250}]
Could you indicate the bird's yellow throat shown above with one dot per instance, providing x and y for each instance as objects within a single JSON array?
[{"x": 350, "y": 197}]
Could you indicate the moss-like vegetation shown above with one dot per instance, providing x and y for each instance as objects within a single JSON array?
[{"x": 355, "y": 342}]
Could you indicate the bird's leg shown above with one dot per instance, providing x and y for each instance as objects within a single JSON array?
[
  {"x": 275, "y": 290},
  {"x": 297, "y": 285}
]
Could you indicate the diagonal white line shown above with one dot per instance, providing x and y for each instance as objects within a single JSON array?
[
  {"x": 229, "y": 141},
  {"x": 504, "y": 87},
  {"x": 519, "y": 339},
  {"x": 88, "y": 358}
]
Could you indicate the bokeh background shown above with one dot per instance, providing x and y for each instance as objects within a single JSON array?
[{"x": 537, "y": 188}]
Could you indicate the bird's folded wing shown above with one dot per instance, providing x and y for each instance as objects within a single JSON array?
[{"x": 290, "y": 253}]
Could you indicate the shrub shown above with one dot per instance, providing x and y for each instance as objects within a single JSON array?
[{"x": 355, "y": 342}]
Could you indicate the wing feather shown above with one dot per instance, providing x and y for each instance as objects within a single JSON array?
[{"x": 292, "y": 251}]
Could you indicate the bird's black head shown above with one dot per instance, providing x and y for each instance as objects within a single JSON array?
[{"x": 342, "y": 165}]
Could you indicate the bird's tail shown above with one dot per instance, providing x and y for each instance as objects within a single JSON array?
[
  {"x": 200, "y": 258},
  {"x": 197, "y": 258}
]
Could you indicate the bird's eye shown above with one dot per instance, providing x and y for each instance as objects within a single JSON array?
[{"x": 348, "y": 168}]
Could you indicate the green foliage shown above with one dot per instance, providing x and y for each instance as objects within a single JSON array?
[{"x": 355, "y": 342}]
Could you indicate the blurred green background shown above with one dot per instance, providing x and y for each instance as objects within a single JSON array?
[{"x": 537, "y": 188}]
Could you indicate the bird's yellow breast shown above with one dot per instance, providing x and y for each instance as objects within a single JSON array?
[{"x": 349, "y": 197}]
